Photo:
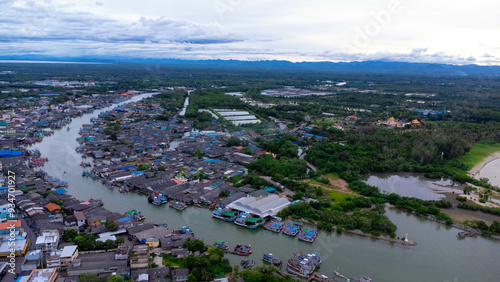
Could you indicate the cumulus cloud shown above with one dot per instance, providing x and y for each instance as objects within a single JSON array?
[
  {"x": 51, "y": 22},
  {"x": 250, "y": 30}
]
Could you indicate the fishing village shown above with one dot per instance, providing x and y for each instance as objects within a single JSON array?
[
  {"x": 146, "y": 192},
  {"x": 144, "y": 161}
]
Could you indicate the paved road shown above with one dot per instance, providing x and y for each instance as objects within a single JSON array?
[{"x": 19, "y": 260}]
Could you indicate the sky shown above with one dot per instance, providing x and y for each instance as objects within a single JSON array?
[{"x": 429, "y": 31}]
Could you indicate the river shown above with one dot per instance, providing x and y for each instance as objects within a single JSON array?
[
  {"x": 439, "y": 255},
  {"x": 492, "y": 172}
]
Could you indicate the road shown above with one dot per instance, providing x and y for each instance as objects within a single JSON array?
[
  {"x": 308, "y": 163},
  {"x": 19, "y": 260}
]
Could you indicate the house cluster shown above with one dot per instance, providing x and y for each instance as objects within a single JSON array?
[
  {"x": 394, "y": 123},
  {"x": 42, "y": 216},
  {"x": 27, "y": 120}
]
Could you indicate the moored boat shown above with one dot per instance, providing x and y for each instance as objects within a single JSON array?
[
  {"x": 135, "y": 215},
  {"x": 243, "y": 250},
  {"x": 303, "y": 265},
  {"x": 221, "y": 245},
  {"x": 225, "y": 214},
  {"x": 269, "y": 258},
  {"x": 290, "y": 229},
  {"x": 247, "y": 263},
  {"x": 365, "y": 279},
  {"x": 251, "y": 221},
  {"x": 465, "y": 234},
  {"x": 157, "y": 198},
  {"x": 274, "y": 225},
  {"x": 177, "y": 205},
  {"x": 308, "y": 235}
]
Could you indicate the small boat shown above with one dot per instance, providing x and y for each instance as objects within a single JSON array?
[
  {"x": 365, "y": 279},
  {"x": 243, "y": 250},
  {"x": 303, "y": 265},
  {"x": 135, "y": 215},
  {"x": 269, "y": 258},
  {"x": 67, "y": 128},
  {"x": 465, "y": 234},
  {"x": 321, "y": 277},
  {"x": 291, "y": 229},
  {"x": 274, "y": 225},
  {"x": 339, "y": 275},
  {"x": 183, "y": 230},
  {"x": 225, "y": 214},
  {"x": 221, "y": 245},
  {"x": 251, "y": 221},
  {"x": 177, "y": 205},
  {"x": 247, "y": 263},
  {"x": 308, "y": 235}
]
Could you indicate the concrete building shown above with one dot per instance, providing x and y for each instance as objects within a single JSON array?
[
  {"x": 43, "y": 275},
  {"x": 103, "y": 264},
  {"x": 263, "y": 207},
  {"x": 48, "y": 240},
  {"x": 68, "y": 255}
]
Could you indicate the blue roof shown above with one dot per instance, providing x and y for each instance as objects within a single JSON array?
[
  {"x": 60, "y": 191},
  {"x": 138, "y": 172},
  {"x": 255, "y": 148},
  {"x": 127, "y": 167},
  {"x": 269, "y": 189},
  {"x": 123, "y": 219}
]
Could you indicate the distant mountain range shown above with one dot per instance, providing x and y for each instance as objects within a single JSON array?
[{"x": 369, "y": 67}]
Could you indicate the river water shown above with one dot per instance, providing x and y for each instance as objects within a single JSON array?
[
  {"x": 439, "y": 255},
  {"x": 492, "y": 172}
]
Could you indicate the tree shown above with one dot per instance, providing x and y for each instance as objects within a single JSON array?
[
  {"x": 199, "y": 154},
  {"x": 233, "y": 141},
  {"x": 69, "y": 235},
  {"x": 194, "y": 245},
  {"x": 89, "y": 277},
  {"x": 119, "y": 240},
  {"x": 111, "y": 225},
  {"x": 115, "y": 278}
]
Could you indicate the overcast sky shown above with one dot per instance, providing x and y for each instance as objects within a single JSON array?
[{"x": 440, "y": 31}]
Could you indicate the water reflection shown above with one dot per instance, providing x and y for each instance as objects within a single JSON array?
[{"x": 414, "y": 185}]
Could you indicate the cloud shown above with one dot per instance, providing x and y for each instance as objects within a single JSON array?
[{"x": 52, "y": 22}]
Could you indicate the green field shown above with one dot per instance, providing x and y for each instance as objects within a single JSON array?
[
  {"x": 477, "y": 153},
  {"x": 337, "y": 197}
]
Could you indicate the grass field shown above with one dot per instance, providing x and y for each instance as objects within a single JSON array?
[
  {"x": 477, "y": 153},
  {"x": 337, "y": 197}
]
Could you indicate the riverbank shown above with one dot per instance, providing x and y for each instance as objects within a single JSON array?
[
  {"x": 474, "y": 171},
  {"x": 362, "y": 234}
]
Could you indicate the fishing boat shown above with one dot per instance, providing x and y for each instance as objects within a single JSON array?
[
  {"x": 243, "y": 250},
  {"x": 274, "y": 225},
  {"x": 338, "y": 274},
  {"x": 320, "y": 277},
  {"x": 183, "y": 230},
  {"x": 291, "y": 229},
  {"x": 247, "y": 263},
  {"x": 135, "y": 215},
  {"x": 177, "y": 205},
  {"x": 303, "y": 265},
  {"x": 269, "y": 258},
  {"x": 365, "y": 279},
  {"x": 157, "y": 198},
  {"x": 225, "y": 214},
  {"x": 85, "y": 164},
  {"x": 308, "y": 235},
  {"x": 251, "y": 221},
  {"x": 221, "y": 245},
  {"x": 465, "y": 234}
]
